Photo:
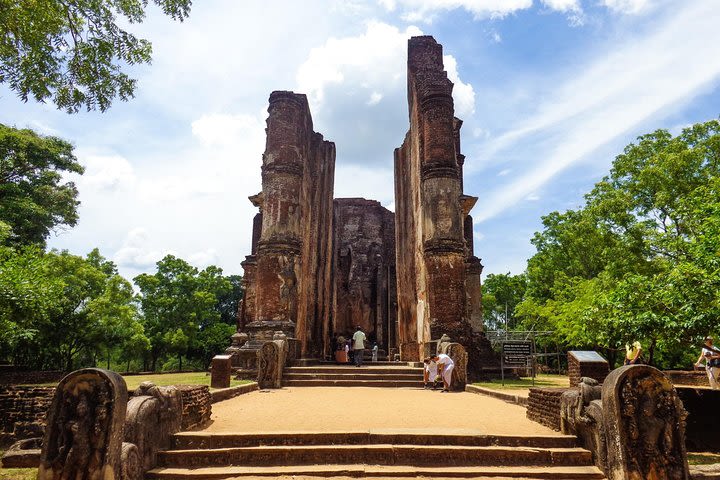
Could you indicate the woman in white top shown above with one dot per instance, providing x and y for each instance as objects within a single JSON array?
[
  {"x": 712, "y": 362},
  {"x": 445, "y": 366}
]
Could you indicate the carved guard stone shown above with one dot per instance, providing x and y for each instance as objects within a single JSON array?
[{"x": 83, "y": 439}]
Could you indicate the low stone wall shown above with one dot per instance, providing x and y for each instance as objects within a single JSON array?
[
  {"x": 31, "y": 377},
  {"x": 22, "y": 412},
  {"x": 697, "y": 378},
  {"x": 232, "y": 392},
  {"x": 703, "y": 420},
  {"x": 544, "y": 406},
  {"x": 197, "y": 406}
]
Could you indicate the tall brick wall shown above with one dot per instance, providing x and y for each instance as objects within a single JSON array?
[
  {"x": 544, "y": 406},
  {"x": 22, "y": 412}
]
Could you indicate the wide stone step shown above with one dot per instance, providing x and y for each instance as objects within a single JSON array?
[
  {"x": 205, "y": 440},
  {"x": 354, "y": 370},
  {"x": 379, "y": 472},
  {"x": 415, "y": 455},
  {"x": 352, "y": 376},
  {"x": 354, "y": 383}
]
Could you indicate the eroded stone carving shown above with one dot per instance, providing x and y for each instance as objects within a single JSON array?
[
  {"x": 271, "y": 360},
  {"x": 84, "y": 434},
  {"x": 459, "y": 356},
  {"x": 645, "y": 426}
]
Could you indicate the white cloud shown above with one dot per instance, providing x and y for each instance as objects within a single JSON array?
[
  {"x": 504, "y": 172},
  {"x": 375, "y": 98},
  {"x": 135, "y": 254},
  {"x": 612, "y": 95},
  {"x": 533, "y": 197},
  {"x": 105, "y": 172},
  {"x": 363, "y": 62},
  {"x": 463, "y": 93},
  {"x": 631, "y": 7},
  {"x": 203, "y": 258},
  {"x": 425, "y": 10},
  {"x": 478, "y": 236},
  {"x": 224, "y": 129},
  {"x": 563, "y": 5}
]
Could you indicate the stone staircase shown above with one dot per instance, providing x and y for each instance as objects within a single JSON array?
[
  {"x": 377, "y": 454},
  {"x": 375, "y": 374}
]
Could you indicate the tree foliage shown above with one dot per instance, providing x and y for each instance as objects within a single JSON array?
[
  {"x": 34, "y": 196},
  {"x": 180, "y": 306},
  {"x": 640, "y": 260},
  {"x": 73, "y": 52},
  {"x": 501, "y": 294}
]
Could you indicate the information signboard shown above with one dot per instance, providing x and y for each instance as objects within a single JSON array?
[{"x": 516, "y": 354}]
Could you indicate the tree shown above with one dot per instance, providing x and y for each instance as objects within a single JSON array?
[
  {"x": 179, "y": 303},
  {"x": 73, "y": 51},
  {"x": 640, "y": 260},
  {"x": 501, "y": 294},
  {"x": 34, "y": 196}
]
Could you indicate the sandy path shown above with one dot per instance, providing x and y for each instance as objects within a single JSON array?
[{"x": 341, "y": 409}]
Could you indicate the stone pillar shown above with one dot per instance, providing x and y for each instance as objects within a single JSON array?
[
  {"x": 280, "y": 242},
  {"x": 443, "y": 226},
  {"x": 221, "y": 371}
]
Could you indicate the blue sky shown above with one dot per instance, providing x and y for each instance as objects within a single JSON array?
[{"x": 549, "y": 90}]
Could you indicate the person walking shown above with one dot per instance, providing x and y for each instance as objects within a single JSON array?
[
  {"x": 711, "y": 355},
  {"x": 358, "y": 346}
]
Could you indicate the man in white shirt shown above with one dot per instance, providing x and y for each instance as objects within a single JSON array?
[
  {"x": 712, "y": 363},
  {"x": 358, "y": 346},
  {"x": 445, "y": 366}
]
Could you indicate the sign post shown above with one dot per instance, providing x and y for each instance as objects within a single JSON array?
[{"x": 515, "y": 354}]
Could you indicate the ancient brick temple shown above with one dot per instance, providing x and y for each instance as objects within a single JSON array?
[{"x": 319, "y": 266}]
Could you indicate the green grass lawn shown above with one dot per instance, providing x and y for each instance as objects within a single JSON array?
[
  {"x": 165, "y": 379},
  {"x": 703, "y": 458},
  {"x": 18, "y": 473},
  {"x": 542, "y": 380}
]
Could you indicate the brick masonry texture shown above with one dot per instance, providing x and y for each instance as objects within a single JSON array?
[
  {"x": 22, "y": 412},
  {"x": 544, "y": 406},
  {"x": 197, "y": 406}
]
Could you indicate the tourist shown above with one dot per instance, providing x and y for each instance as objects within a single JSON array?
[
  {"x": 632, "y": 353},
  {"x": 711, "y": 356},
  {"x": 358, "y": 346},
  {"x": 445, "y": 366},
  {"x": 430, "y": 373},
  {"x": 341, "y": 353}
]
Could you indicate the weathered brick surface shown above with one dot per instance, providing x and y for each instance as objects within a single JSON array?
[
  {"x": 697, "y": 378},
  {"x": 544, "y": 406},
  {"x": 30, "y": 377},
  {"x": 578, "y": 369},
  {"x": 438, "y": 276},
  {"x": 22, "y": 412},
  {"x": 197, "y": 406},
  {"x": 364, "y": 270}
]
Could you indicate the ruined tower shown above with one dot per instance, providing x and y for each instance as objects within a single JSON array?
[
  {"x": 287, "y": 274},
  {"x": 435, "y": 263},
  {"x": 319, "y": 267}
]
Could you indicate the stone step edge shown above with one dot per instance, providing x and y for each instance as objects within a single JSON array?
[
  {"x": 377, "y": 446},
  {"x": 380, "y": 436},
  {"x": 507, "y": 397},
  {"x": 526, "y": 472}
]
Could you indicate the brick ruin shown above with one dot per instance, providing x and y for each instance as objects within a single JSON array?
[{"x": 318, "y": 267}]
